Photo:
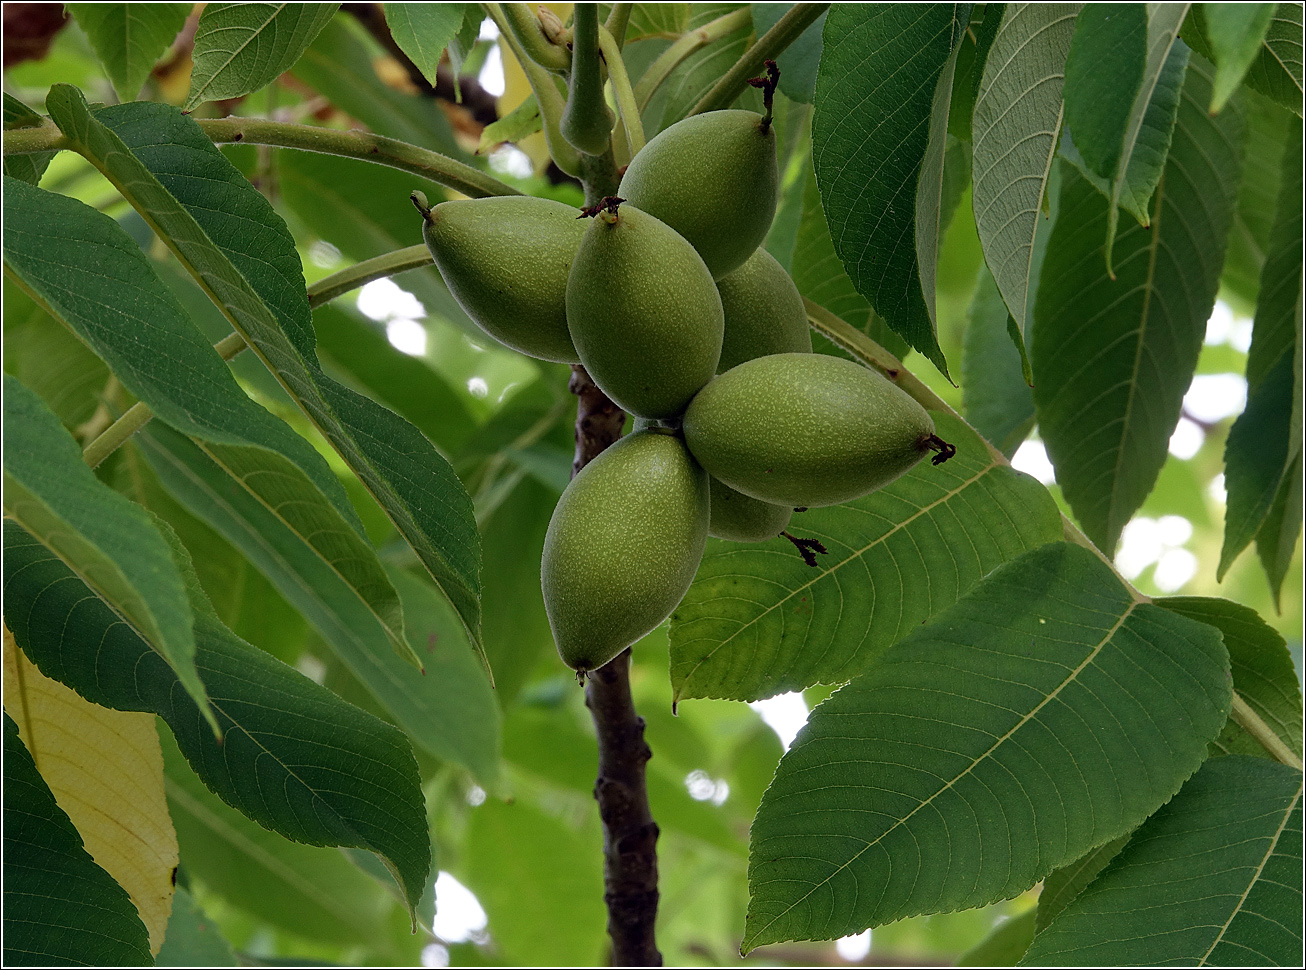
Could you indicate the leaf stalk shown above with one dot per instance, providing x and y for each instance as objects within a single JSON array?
[
  {"x": 524, "y": 26},
  {"x": 621, "y": 89},
  {"x": 768, "y": 47}
]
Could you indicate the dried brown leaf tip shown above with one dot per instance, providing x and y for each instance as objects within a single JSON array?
[{"x": 607, "y": 204}]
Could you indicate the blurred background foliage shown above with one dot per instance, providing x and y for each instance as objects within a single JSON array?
[{"x": 518, "y": 840}]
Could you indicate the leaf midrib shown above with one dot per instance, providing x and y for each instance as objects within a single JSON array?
[
  {"x": 1025, "y": 719},
  {"x": 1251, "y": 883},
  {"x": 831, "y": 570},
  {"x": 196, "y": 97}
]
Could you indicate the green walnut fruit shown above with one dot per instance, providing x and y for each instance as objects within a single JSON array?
[
  {"x": 764, "y": 313},
  {"x": 506, "y": 260},
  {"x": 623, "y": 545},
  {"x": 712, "y": 178},
  {"x": 738, "y": 517},
  {"x": 644, "y": 313},
  {"x": 806, "y": 429},
  {"x": 735, "y": 516}
]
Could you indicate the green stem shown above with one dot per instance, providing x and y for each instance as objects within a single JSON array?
[
  {"x": 586, "y": 120},
  {"x": 112, "y": 437},
  {"x": 357, "y": 144},
  {"x": 351, "y": 277},
  {"x": 630, "y": 119},
  {"x": 44, "y": 137},
  {"x": 524, "y": 26},
  {"x": 685, "y": 45},
  {"x": 617, "y": 22},
  {"x": 866, "y": 350},
  {"x": 1247, "y": 719},
  {"x": 547, "y": 96},
  {"x": 768, "y": 47},
  {"x": 139, "y": 414}
]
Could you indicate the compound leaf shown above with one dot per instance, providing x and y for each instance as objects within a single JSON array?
[
  {"x": 758, "y": 621},
  {"x": 59, "y": 906},
  {"x": 883, "y": 90},
  {"x": 107, "y": 541},
  {"x": 1047, "y": 712},
  {"x": 255, "y": 278},
  {"x": 1113, "y": 358},
  {"x": 1212, "y": 879},
  {"x": 294, "y": 757}
]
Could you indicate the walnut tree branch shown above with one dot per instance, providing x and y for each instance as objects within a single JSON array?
[{"x": 630, "y": 862}]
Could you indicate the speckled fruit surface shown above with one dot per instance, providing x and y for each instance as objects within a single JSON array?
[{"x": 805, "y": 429}]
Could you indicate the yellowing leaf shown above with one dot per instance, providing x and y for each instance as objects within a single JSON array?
[{"x": 105, "y": 769}]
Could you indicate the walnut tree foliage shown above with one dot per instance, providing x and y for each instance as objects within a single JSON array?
[{"x": 236, "y": 509}]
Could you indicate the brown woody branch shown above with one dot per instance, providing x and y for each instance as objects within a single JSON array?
[{"x": 630, "y": 862}]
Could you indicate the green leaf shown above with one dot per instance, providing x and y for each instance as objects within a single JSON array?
[
  {"x": 1277, "y": 540},
  {"x": 193, "y": 940},
  {"x": 239, "y": 47},
  {"x": 129, "y": 37},
  {"x": 820, "y": 276},
  {"x": 516, "y": 628},
  {"x": 1150, "y": 126},
  {"x": 1104, "y": 72},
  {"x": 1113, "y": 358},
  {"x": 1046, "y": 712},
  {"x": 540, "y": 882},
  {"x": 255, "y": 278},
  {"x": 29, "y": 168},
  {"x": 462, "y": 716},
  {"x": 798, "y": 62},
  {"x": 1213, "y": 878},
  {"x": 975, "y": 46},
  {"x": 318, "y": 586},
  {"x": 359, "y": 348},
  {"x": 521, "y": 122},
  {"x": 133, "y": 321},
  {"x": 364, "y": 211},
  {"x": 130, "y": 318},
  {"x": 758, "y": 621},
  {"x": 883, "y": 90},
  {"x": 60, "y": 907},
  {"x": 51, "y": 361},
  {"x": 698, "y": 72},
  {"x": 307, "y": 890},
  {"x": 667, "y": 20},
  {"x": 1266, "y": 439},
  {"x": 108, "y": 542},
  {"x": 423, "y": 31},
  {"x": 338, "y": 65},
  {"x": 1017, "y": 120},
  {"x": 1258, "y": 196},
  {"x": 1004, "y": 946},
  {"x": 1263, "y": 672},
  {"x": 294, "y": 757},
  {"x": 1236, "y": 33},
  {"x": 999, "y": 404},
  {"x": 1061, "y": 887},
  {"x": 1276, "y": 71}
]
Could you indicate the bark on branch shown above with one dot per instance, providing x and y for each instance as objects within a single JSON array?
[{"x": 630, "y": 862}]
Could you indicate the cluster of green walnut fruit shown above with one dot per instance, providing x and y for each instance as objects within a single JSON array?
[{"x": 665, "y": 297}]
